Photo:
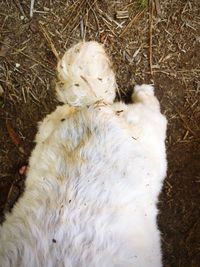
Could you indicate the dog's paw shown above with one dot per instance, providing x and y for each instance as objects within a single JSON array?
[
  {"x": 144, "y": 88},
  {"x": 142, "y": 92}
]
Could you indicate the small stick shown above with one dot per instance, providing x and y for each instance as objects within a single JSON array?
[
  {"x": 95, "y": 16},
  {"x": 31, "y": 58},
  {"x": 107, "y": 25},
  {"x": 31, "y": 8},
  {"x": 86, "y": 23},
  {"x": 110, "y": 19},
  {"x": 185, "y": 124},
  {"x": 158, "y": 8},
  {"x": 82, "y": 28},
  {"x": 122, "y": 14},
  {"x": 150, "y": 35},
  {"x": 131, "y": 22},
  {"x": 20, "y": 7},
  {"x": 97, "y": 21},
  {"x": 86, "y": 81},
  {"x": 78, "y": 6},
  {"x": 50, "y": 42}
]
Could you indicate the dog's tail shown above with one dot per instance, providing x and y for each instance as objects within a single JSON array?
[{"x": 85, "y": 75}]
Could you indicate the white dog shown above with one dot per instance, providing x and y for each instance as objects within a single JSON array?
[{"x": 94, "y": 176}]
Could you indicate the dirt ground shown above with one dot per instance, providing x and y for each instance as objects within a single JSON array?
[{"x": 151, "y": 43}]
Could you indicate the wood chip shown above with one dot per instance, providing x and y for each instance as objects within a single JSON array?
[
  {"x": 1, "y": 90},
  {"x": 122, "y": 14}
]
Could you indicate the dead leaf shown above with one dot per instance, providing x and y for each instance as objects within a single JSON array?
[
  {"x": 14, "y": 137},
  {"x": 23, "y": 170}
]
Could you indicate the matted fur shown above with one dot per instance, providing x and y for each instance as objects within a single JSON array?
[{"x": 94, "y": 176}]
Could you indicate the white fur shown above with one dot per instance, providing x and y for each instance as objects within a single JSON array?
[
  {"x": 85, "y": 75},
  {"x": 94, "y": 176}
]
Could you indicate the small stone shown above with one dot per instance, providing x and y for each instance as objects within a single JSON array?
[{"x": 17, "y": 65}]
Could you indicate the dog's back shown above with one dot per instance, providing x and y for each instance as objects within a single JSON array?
[{"x": 92, "y": 188}]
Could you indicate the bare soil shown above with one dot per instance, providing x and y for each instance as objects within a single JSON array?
[{"x": 152, "y": 46}]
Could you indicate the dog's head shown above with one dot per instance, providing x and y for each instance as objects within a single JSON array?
[{"x": 85, "y": 75}]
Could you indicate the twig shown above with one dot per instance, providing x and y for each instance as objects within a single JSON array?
[
  {"x": 90, "y": 87},
  {"x": 81, "y": 28},
  {"x": 95, "y": 16},
  {"x": 131, "y": 22},
  {"x": 78, "y": 5},
  {"x": 158, "y": 9},
  {"x": 31, "y": 8},
  {"x": 46, "y": 35},
  {"x": 20, "y": 7},
  {"x": 33, "y": 59},
  {"x": 150, "y": 35},
  {"x": 110, "y": 19},
  {"x": 97, "y": 21},
  {"x": 86, "y": 25},
  {"x": 185, "y": 124},
  {"x": 176, "y": 72},
  {"x": 107, "y": 25}
]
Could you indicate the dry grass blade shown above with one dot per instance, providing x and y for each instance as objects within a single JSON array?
[
  {"x": 78, "y": 6},
  {"x": 150, "y": 35},
  {"x": 90, "y": 87},
  {"x": 185, "y": 124},
  {"x": 31, "y": 8},
  {"x": 47, "y": 37},
  {"x": 134, "y": 19},
  {"x": 18, "y": 4},
  {"x": 29, "y": 57},
  {"x": 109, "y": 20},
  {"x": 87, "y": 16},
  {"x": 97, "y": 21}
]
